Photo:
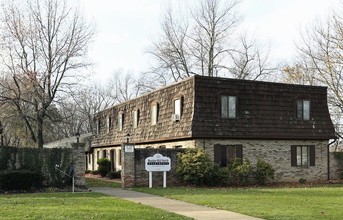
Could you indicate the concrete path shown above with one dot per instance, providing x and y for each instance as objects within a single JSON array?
[{"x": 170, "y": 205}]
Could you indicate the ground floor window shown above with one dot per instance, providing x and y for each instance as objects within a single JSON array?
[
  {"x": 224, "y": 154},
  {"x": 303, "y": 155}
]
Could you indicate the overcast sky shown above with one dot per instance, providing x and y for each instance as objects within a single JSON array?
[{"x": 125, "y": 28}]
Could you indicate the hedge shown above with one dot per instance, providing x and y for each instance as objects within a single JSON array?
[
  {"x": 40, "y": 161},
  {"x": 19, "y": 180}
]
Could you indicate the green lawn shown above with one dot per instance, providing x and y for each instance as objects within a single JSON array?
[
  {"x": 267, "y": 203},
  {"x": 75, "y": 206}
]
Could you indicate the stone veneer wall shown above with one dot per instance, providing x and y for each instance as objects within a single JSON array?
[{"x": 278, "y": 154}]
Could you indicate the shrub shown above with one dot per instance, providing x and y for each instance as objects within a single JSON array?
[
  {"x": 217, "y": 176},
  {"x": 194, "y": 166},
  {"x": 302, "y": 181},
  {"x": 263, "y": 172},
  {"x": 114, "y": 174},
  {"x": 104, "y": 166},
  {"x": 240, "y": 171},
  {"x": 244, "y": 171},
  {"x": 95, "y": 172},
  {"x": 19, "y": 180}
]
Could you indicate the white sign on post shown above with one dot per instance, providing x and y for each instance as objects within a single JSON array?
[
  {"x": 129, "y": 148},
  {"x": 158, "y": 163}
]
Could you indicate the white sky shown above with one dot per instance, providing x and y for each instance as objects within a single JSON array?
[{"x": 126, "y": 28}]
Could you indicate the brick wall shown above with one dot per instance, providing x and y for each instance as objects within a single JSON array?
[
  {"x": 275, "y": 152},
  {"x": 134, "y": 173},
  {"x": 79, "y": 160},
  {"x": 278, "y": 154}
]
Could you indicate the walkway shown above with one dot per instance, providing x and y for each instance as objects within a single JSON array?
[{"x": 170, "y": 205}]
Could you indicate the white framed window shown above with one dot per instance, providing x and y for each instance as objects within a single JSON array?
[
  {"x": 303, "y": 109},
  {"x": 120, "y": 122},
  {"x": 135, "y": 118},
  {"x": 154, "y": 114},
  {"x": 177, "y": 106},
  {"x": 228, "y": 106}
]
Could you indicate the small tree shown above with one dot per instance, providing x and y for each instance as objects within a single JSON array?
[
  {"x": 263, "y": 172},
  {"x": 239, "y": 171},
  {"x": 104, "y": 166}
]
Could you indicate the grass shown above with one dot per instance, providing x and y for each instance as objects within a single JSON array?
[
  {"x": 267, "y": 203},
  {"x": 75, "y": 206},
  {"x": 92, "y": 182}
]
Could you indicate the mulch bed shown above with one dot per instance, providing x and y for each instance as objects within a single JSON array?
[{"x": 89, "y": 175}]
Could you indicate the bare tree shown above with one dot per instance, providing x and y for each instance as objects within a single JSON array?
[
  {"x": 319, "y": 61},
  {"x": 203, "y": 40},
  {"x": 298, "y": 73},
  {"x": 43, "y": 43},
  {"x": 249, "y": 61},
  {"x": 124, "y": 86}
]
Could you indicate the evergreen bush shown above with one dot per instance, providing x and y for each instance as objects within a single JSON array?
[
  {"x": 263, "y": 172},
  {"x": 194, "y": 166},
  {"x": 104, "y": 166},
  {"x": 114, "y": 174},
  {"x": 240, "y": 171}
]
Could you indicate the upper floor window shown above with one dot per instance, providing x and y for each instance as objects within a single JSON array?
[
  {"x": 120, "y": 122},
  {"x": 135, "y": 118},
  {"x": 109, "y": 124},
  {"x": 303, "y": 109},
  {"x": 177, "y": 106},
  {"x": 154, "y": 114},
  {"x": 228, "y": 106},
  {"x": 98, "y": 126},
  {"x": 177, "y": 109}
]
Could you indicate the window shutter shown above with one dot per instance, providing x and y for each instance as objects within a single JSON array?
[
  {"x": 217, "y": 154},
  {"x": 224, "y": 159},
  {"x": 312, "y": 156},
  {"x": 239, "y": 151},
  {"x": 293, "y": 156}
]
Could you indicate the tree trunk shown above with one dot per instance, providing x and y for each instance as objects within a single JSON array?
[{"x": 40, "y": 140}]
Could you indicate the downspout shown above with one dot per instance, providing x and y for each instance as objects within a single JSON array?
[{"x": 328, "y": 153}]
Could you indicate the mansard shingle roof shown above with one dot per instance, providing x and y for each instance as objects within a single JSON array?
[{"x": 264, "y": 111}]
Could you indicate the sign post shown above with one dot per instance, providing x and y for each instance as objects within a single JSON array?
[{"x": 158, "y": 163}]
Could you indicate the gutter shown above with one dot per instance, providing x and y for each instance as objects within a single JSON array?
[{"x": 328, "y": 153}]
